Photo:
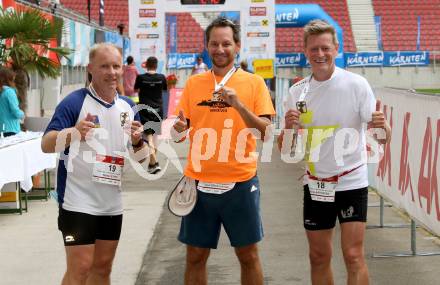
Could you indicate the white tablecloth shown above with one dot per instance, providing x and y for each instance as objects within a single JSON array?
[{"x": 20, "y": 161}]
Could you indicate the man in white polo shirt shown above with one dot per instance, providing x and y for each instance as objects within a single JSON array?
[
  {"x": 334, "y": 106},
  {"x": 92, "y": 127}
]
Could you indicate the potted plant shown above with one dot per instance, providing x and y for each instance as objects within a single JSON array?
[{"x": 171, "y": 80}]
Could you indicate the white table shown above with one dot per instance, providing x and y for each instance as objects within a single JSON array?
[{"x": 20, "y": 161}]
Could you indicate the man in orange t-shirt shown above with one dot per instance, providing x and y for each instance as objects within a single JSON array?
[{"x": 223, "y": 111}]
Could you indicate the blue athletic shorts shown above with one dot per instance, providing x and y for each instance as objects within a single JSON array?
[{"x": 238, "y": 210}]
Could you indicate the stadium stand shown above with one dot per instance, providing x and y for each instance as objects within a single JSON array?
[
  {"x": 399, "y": 24},
  {"x": 190, "y": 34},
  {"x": 116, "y": 11},
  {"x": 290, "y": 39}
]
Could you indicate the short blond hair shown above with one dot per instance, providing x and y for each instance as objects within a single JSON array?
[
  {"x": 97, "y": 47},
  {"x": 318, "y": 27}
]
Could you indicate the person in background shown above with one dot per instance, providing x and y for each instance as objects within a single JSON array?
[
  {"x": 199, "y": 67},
  {"x": 244, "y": 66},
  {"x": 10, "y": 113},
  {"x": 129, "y": 77},
  {"x": 150, "y": 87}
]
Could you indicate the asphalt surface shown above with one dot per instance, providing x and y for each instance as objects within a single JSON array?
[
  {"x": 31, "y": 248},
  {"x": 284, "y": 250}
]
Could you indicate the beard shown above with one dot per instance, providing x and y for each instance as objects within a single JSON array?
[{"x": 221, "y": 63}]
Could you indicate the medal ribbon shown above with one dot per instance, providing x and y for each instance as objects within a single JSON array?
[{"x": 224, "y": 80}]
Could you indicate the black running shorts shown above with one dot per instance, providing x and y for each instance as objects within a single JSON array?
[
  {"x": 80, "y": 228},
  {"x": 349, "y": 206}
]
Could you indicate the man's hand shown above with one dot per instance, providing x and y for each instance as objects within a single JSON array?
[
  {"x": 181, "y": 124},
  {"x": 178, "y": 133},
  {"x": 378, "y": 121},
  {"x": 136, "y": 130},
  {"x": 85, "y": 126},
  {"x": 378, "y": 118},
  {"x": 292, "y": 119},
  {"x": 230, "y": 96}
]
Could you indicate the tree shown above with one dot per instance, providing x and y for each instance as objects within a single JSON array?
[{"x": 25, "y": 42}]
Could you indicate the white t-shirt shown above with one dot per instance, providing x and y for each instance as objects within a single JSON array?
[
  {"x": 76, "y": 190},
  {"x": 337, "y": 112},
  {"x": 200, "y": 68}
]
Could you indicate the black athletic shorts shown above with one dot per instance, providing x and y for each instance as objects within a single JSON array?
[
  {"x": 349, "y": 206},
  {"x": 80, "y": 228},
  {"x": 152, "y": 121}
]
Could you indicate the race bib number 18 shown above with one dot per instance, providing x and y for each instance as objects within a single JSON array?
[{"x": 322, "y": 191}]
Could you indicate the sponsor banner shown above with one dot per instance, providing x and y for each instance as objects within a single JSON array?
[
  {"x": 147, "y": 31},
  {"x": 148, "y": 50},
  {"x": 287, "y": 16},
  {"x": 186, "y": 60},
  {"x": 406, "y": 58},
  {"x": 419, "y": 21},
  {"x": 172, "y": 60},
  {"x": 147, "y": 13},
  {"x": 147, "y": 24},
  {"x": 363, "y": 59},
  {"x": 264, "y": 68},
  {"x": 257, "y": 11},
  {"x": 378, "y": 25},
  {"x": 143, "y": 13},
  {"x": 181, "y": 60},
  {"x": 408, "y": 173},
  {"x": 290, "y": 60},
  {"x": 258, "y": 23},
  {"x": 147, "y": 36},
  {"x": 172, "y": 32},
  {"x": 258, "y": 34},
  {"x": 258, "y": 49}
]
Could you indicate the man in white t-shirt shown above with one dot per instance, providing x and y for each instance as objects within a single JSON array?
[
  {"x": 328, "y": 113},
  {"x": 199, "y": 67}
]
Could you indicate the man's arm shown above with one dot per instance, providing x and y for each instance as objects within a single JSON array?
[
  {"x": 251, "y": 120},
  {"x": 291, "y": 123},
  {"x": 57, "y": 141}
]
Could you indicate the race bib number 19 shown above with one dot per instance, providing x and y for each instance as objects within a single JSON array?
[{"x": 108, "y": 169}]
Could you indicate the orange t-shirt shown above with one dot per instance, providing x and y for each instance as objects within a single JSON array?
[{"x": 221, "y": 145}]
